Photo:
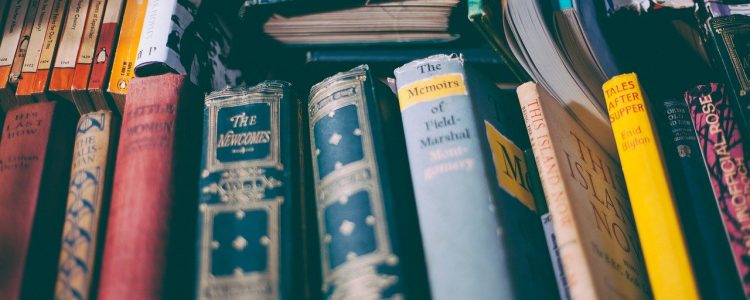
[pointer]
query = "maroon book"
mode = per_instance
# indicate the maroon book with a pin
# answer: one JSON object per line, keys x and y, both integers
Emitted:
{"x": 136, "y": 259}
{"x": 35, "y": 154}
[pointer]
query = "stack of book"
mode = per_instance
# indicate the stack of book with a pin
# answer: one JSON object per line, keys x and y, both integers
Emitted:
{"x": 412, "y": 149}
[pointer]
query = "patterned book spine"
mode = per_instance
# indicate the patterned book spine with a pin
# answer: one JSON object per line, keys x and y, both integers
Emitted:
{"x": 38, "y": 33}
{"x": 652, "y": 198}
{"x": 359, "y": 250}
{"x": 49, "y": 49}
{"x": 720, "y": 139}
{"x": 135, "y": 252}
{"x": 87, "y": 194}
{"x": 443, "y": 143}
{"x": 247, "y": 249}
{"x": 105, "y": 46}
{"x": 127, "y": 47}
{"x": 34, "y": 154}
{"x": 20, "y": 31}
{"x": 164, "y": 26}
{"x": 86, "y": 53}
{"x": 67, "y": 52}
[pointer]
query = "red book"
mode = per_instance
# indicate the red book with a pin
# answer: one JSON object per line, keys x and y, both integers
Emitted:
{"x": 35, "y": 156}
{"x": 104, "y": 53}
{"x": 135, "y": 257}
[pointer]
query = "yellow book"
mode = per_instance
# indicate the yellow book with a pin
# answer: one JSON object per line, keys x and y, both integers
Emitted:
{"x": 127, "y": 49}
{"x": 663, "y": 242}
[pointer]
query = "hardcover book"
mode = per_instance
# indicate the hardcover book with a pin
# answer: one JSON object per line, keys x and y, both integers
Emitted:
{"x": 462, "y": 144}
{"x": 34, "y": 51}
{"x": 80, "y": 79}
{"x": 105, "y": 48}
{"x": 249, "y": 230}
{"x": 67, "y": 53}
{"x": 14, "y": 44}
{"x": 127, "y": 47}
{"x": 365, "y": 231}
{"x": 588, "y": 203}
{"x": 665, "y": 249}
{"x": 149, "y": 252}
{"x": 35, "y": 154}
{"x": 88, "y": 194}
{"x": 721, "y": 143}
{"x": 49, "y": 49}
{"x": 161, "y": 44}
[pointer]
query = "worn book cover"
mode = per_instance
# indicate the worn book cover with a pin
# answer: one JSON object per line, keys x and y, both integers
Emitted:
{"x": 588, "y": 203}
{"x": 161, "y": 45}
{"x": 723, "y": 152}
{"x": 87, "y": 206}
{"x": 46, "y": 9}
{"x": 67, "y": 53}
{"x": 105, "y": 48}
{"x": 462, "y": 145}
{"x": 149, "y": 250}
{"x": 249, "y": 224}
{"x": 80, "y": 80}
{"x": 122, "y": 68}
{"x": 14, "y": 44}
{"x": 49, "y": 49}
{"x": 35, "y": 153}
{"x": 368, "y": 244}
{"x": 665, "y": 249}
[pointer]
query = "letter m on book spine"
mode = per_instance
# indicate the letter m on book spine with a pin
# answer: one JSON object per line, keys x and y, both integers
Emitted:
{"x": 245, "y": 230}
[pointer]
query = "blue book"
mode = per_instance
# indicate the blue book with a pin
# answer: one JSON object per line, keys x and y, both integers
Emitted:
{"x": 369, "y": 244}
{"x": 481, "y": 235}
{"x": 249, "y": 244}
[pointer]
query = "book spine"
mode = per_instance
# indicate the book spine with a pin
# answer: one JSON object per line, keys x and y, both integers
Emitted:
{"x": 38, "y": 33}
{"x": 34, "y": 153}
{"x": 163, "y": 29}
{"x": 105, "y": 46}
{"x": 49, "y": 48}
{"x": 663, "y": 241}
{"x": 86, "y": 54}
{"x": 9, "y": 44}
{"x": 246, "y": 233}
{"x": 360, "y": 253}
{"x": 134, "y": 260}
{"x": 87, "y": 197}
{"x": 8, "y": 83}
{"x": 720, "y": 140}
{"x": 443, "y": 145}
{"x": 67, "y": 53}
{"x": 127, "y": 48}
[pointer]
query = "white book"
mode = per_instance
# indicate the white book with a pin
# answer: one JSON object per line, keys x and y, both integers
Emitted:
{"x": 164, "y": 26}
{"x": 12, "y": 31}
{"x": 38, "y": 33}
{"x": 70, "y": 42}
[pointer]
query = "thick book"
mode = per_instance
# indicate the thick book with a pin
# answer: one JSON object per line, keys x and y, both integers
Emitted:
{"x": 123, "y": 65}
{"x": 13, "y": 48}
{"x": 35, "y": 154}
{"x": 148, "y": 251}
{"x": 249, "y": 220}
{"x": 486, "y": 16}
{"x": 161, "y": 43}
{"x": 67, "y": 53}
{"x": 86, "y": 53}
{"x": 88, "y": 194}
{"x": 656, "y": 212}
{"x": 367, "y": 238}
{"x": 36, "y": 40}
{"x": 463, "y": 144}
{"x": 105, "y": 49}
{"x": 49, "y": 49}
{"x": 723, "y": 155}
{"x": 588, "y": 203}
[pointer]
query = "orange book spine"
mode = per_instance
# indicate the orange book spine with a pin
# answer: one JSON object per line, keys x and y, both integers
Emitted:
{"x": 127, "y": 49}
{"x": 33, "y": 53}
{"x": 86, "y": 55}
{"x": 11, "y": 35}
{"x": 49, "y": 49}
{"x": 10, "y": 80}
{"x": 67, "y": 52}
{"x": 105, "y": 48}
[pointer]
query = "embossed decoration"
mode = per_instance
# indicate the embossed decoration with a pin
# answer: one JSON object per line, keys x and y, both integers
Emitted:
{"x": 92, "y": 120}
{"x": 338, "y": 149}
{"x": 247, "y": 184}
{"x": 78, "y": 235}
{"x": 347, "y": 226}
